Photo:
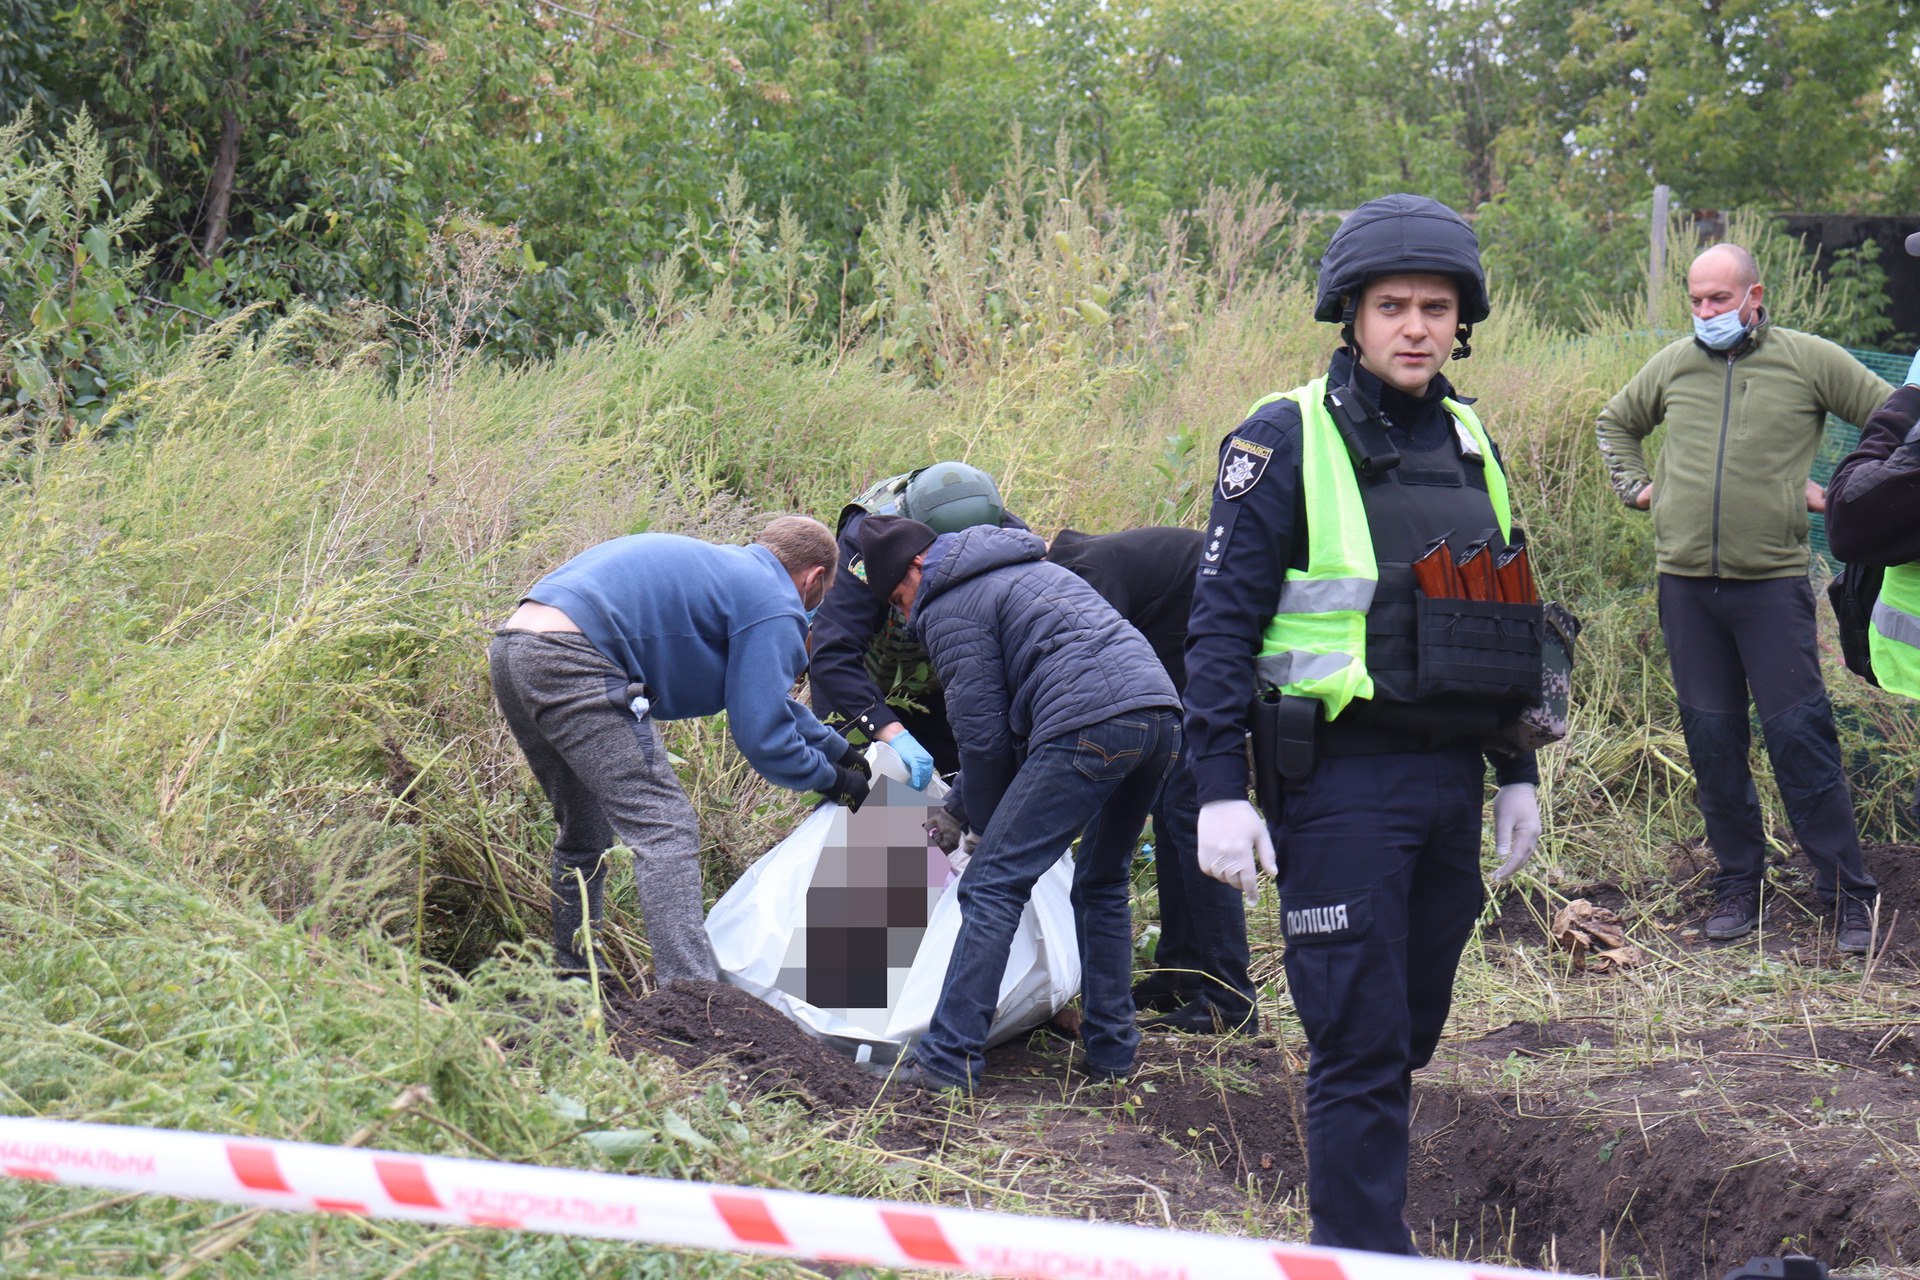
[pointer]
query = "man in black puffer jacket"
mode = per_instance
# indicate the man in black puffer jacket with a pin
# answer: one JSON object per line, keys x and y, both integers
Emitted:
{"x": 1065, "y": 721}
{"x": 1199, "y": 981}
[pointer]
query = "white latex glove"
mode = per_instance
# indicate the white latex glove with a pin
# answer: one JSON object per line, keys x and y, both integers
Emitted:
{"x": 1516, "y": 827}
{"x": 1232, "y": 834}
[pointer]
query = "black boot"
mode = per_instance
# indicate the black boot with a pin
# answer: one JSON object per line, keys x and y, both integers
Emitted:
{"x": 1205, "y": 1017}
{"x": 1853, "y": 926}
{"x": 1735, "y": 913}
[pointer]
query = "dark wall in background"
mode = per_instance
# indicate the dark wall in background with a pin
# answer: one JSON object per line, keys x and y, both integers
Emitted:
{"x": 1825, "y": 233}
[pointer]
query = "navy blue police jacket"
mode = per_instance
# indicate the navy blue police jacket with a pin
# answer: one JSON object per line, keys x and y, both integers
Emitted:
{"x": 1256, "y": 530}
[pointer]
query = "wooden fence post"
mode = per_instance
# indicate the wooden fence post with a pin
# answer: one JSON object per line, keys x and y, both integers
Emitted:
{"x": 1657, "y": 251}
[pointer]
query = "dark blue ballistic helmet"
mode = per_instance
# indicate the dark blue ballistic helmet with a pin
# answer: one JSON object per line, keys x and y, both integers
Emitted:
{"x": 1401, "y": 235}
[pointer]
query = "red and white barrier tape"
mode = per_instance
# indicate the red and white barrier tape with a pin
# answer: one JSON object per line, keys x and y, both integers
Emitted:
{"x": 306, "y": 1178}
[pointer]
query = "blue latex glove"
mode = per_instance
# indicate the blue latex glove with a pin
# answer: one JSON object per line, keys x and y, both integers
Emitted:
{"x": 919, "y": 763}
{"x": 1913, "y": 371}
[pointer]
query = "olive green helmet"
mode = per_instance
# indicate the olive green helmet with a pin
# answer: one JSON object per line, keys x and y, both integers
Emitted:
{"x": 950, "y": 496}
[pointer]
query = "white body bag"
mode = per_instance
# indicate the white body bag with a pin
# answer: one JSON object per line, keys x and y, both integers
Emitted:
{"x": 847, "y": 925}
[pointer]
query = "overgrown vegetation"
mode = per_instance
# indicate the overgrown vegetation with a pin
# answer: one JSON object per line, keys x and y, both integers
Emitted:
{"x": 489, "y": 285}
{"x": 285, "y": 151}
{"x": 267, "y": 854}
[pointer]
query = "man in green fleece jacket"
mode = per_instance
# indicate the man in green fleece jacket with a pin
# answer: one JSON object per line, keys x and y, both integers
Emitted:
{"x": 1744, "y": 402}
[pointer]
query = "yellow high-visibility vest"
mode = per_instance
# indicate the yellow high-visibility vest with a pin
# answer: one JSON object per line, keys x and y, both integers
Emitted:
{"x": 1893, "y": 635}
{"x": 1316, "y": 645}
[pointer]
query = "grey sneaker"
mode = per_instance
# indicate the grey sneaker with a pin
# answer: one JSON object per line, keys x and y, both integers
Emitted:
{"x": 1853, "y": 926}
{"x": 1734, "y": 914}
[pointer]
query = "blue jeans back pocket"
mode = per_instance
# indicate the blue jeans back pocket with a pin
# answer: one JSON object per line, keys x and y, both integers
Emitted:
{"x": 1110, "y": 750}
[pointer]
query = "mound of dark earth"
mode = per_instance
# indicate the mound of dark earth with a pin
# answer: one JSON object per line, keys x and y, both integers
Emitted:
{"x": 1749, "y": 1141}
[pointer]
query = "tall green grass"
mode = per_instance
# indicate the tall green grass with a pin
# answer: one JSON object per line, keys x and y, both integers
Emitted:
{"x": 267, "y": 854}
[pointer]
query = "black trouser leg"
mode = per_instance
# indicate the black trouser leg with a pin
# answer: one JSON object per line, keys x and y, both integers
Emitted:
{"x": 1726, "y": 636}
{"x": 1203, "y": 922}
{"x": 1805, "y": 750}
{"x": 1703, "y": 620}
{"x": 1381, "y": 890}
{"x": 1717, "y": 747}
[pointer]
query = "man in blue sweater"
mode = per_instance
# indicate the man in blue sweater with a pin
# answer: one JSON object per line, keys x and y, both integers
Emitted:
{"x": 659, "y": 627}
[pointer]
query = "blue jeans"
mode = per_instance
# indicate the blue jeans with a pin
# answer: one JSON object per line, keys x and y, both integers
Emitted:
{"x": 1102, "y": 778}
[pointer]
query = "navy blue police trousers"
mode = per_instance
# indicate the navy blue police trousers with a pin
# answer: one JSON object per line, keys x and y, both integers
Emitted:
{"x": 1379, "y": 891}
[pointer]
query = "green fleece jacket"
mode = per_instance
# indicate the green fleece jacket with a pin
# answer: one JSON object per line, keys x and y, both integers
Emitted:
{"x": 1743, "y": 426}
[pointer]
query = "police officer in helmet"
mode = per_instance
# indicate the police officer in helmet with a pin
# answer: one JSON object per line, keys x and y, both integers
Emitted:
{"x": 1349, "y": 611}
{"x": 866, "y": 672}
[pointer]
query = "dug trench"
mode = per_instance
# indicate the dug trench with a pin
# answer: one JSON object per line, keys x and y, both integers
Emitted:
{"x": 1566, "y": 1144}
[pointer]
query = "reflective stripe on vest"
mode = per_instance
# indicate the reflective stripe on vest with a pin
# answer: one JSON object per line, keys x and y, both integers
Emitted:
{"x": 1893, "y": 638}
{"x": 1316, "y": 645}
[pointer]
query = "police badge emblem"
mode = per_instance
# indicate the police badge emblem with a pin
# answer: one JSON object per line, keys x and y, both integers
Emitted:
{"x": 858, "y": 567}
{"x": 1242, "y": 466}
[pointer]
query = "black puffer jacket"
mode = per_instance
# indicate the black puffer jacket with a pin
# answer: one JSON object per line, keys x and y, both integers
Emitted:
{"x": 1873, "y": 500}
{"x": 1026, "y": 651}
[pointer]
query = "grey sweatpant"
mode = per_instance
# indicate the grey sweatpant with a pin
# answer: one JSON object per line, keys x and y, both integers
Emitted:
{"x": 607, "y": 775}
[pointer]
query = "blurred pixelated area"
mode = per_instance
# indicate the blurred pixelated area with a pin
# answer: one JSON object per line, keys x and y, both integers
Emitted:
{"x": 867, "y": 906}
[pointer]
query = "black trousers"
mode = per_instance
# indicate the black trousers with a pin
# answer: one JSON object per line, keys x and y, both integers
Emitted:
{"x": 1729, "y": 638}
{"x": 1203, "y": 952}
{"x": 1379, "y": 890}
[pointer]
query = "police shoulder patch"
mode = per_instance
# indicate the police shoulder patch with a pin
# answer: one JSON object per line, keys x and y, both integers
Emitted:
{"x": 1242, "y": 464}
{"x": 858, "y": 567}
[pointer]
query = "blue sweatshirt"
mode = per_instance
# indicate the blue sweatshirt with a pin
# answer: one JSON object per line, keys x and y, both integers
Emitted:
{"x": 706, "y": 628}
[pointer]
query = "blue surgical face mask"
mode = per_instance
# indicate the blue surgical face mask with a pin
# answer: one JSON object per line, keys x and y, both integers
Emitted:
{"x": 1724, "y": 330}
{"x": 810, "y": 614}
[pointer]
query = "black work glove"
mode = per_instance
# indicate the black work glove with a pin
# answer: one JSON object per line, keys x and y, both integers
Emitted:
{"x": 849, "y": 788}
{"x": 944, "y": 831}
{"x": 855, "y": 758}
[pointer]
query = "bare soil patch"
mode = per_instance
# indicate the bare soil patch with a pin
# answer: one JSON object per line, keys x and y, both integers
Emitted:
{"x": 1569, "y": 1143}
{"x": 701, "y": 1024}
{"x": 1750, "y": 1140}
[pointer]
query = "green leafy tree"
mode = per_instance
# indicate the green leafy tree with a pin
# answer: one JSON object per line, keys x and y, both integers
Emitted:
{"x": 197, "y": 100}
{"x": 75, "y": 329}
{"x": 1764, "y": 102}
{"x": 1233, "y": 90}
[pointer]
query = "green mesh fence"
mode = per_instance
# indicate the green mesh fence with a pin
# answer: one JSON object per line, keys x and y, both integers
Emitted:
{"x": 1841, "y": 437}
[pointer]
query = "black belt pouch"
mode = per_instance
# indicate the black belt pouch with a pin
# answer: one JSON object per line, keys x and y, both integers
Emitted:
{"x": 1480, "y": 649}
